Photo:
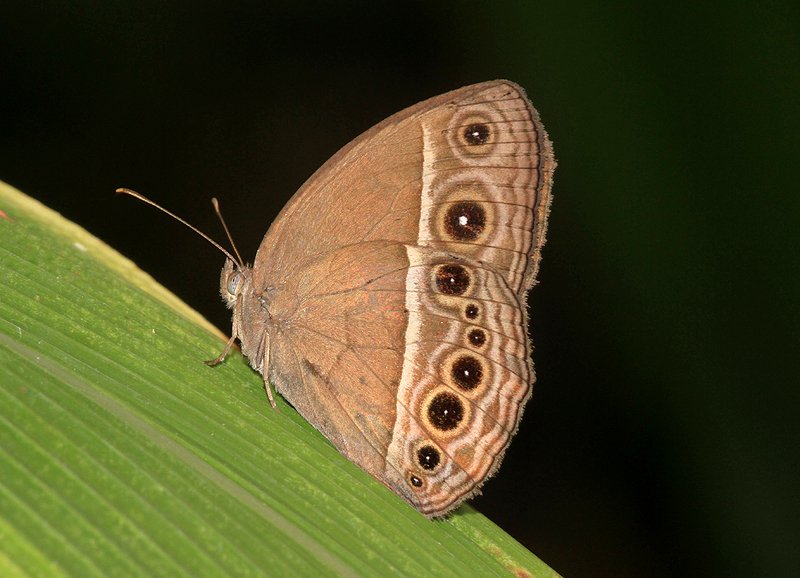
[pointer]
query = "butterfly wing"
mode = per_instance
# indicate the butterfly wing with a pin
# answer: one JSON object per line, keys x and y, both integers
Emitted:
{"x": 399, "y": 273}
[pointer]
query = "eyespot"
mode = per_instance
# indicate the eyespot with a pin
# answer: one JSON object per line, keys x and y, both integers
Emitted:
{"x": 477, "y": 337}
{"x": 475, "y": 132}
{"x": 428, "y": 457}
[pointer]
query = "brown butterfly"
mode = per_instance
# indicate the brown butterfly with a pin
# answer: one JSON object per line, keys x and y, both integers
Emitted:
{"x": 387, "y": 300}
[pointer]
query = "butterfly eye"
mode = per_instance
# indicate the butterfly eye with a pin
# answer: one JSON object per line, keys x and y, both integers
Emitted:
{"x": 233, "y": 283}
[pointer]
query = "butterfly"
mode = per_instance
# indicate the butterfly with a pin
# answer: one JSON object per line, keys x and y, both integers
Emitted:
{"x": 387, "y": 301}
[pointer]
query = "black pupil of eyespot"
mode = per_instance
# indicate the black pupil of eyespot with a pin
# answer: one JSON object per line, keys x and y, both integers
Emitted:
{"x": 467, "y": 372}
{"x": 428, "y": 457}
{"x": 476, "y": 134}
{"x": 452, "y": 279}
{"x": 465, "y": 221}
{"x": 445, "y": 411}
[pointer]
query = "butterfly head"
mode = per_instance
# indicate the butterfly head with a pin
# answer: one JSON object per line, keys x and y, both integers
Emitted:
{"x": 250, "y": 314}
{"x": 232, "y": 282}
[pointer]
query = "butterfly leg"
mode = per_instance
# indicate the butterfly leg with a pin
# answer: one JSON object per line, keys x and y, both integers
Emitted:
{"x": 265, "y": 369}
{"x": 219, "y": 359}
{"x": 234, "y": 334}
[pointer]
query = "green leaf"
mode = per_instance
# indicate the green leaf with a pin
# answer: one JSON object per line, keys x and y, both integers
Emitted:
{"x": 121, "y": 453}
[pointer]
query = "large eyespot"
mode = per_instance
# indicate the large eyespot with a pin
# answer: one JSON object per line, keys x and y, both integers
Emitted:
{"x": 443, "y": 412}
{"x": 233, "y": 282}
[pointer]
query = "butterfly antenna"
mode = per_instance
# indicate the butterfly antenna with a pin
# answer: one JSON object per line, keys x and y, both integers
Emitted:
{"x": 134, "y": 194}
{"x": 215, "y": 202}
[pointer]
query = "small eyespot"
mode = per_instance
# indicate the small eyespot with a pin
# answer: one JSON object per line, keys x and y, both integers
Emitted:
{"x": 415, "y": 481}
{"x": 471, "y": 311}
{"x": 477, "y": 337}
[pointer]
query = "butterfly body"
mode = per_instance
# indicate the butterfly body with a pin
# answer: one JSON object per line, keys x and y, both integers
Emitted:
{"x": 387, "y": 300}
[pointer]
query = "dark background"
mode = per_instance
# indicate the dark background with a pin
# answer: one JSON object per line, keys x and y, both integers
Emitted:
{"x": 663, "y": 435}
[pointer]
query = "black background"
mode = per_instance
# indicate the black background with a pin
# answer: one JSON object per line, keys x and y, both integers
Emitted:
{"x": 663, "y": 435}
